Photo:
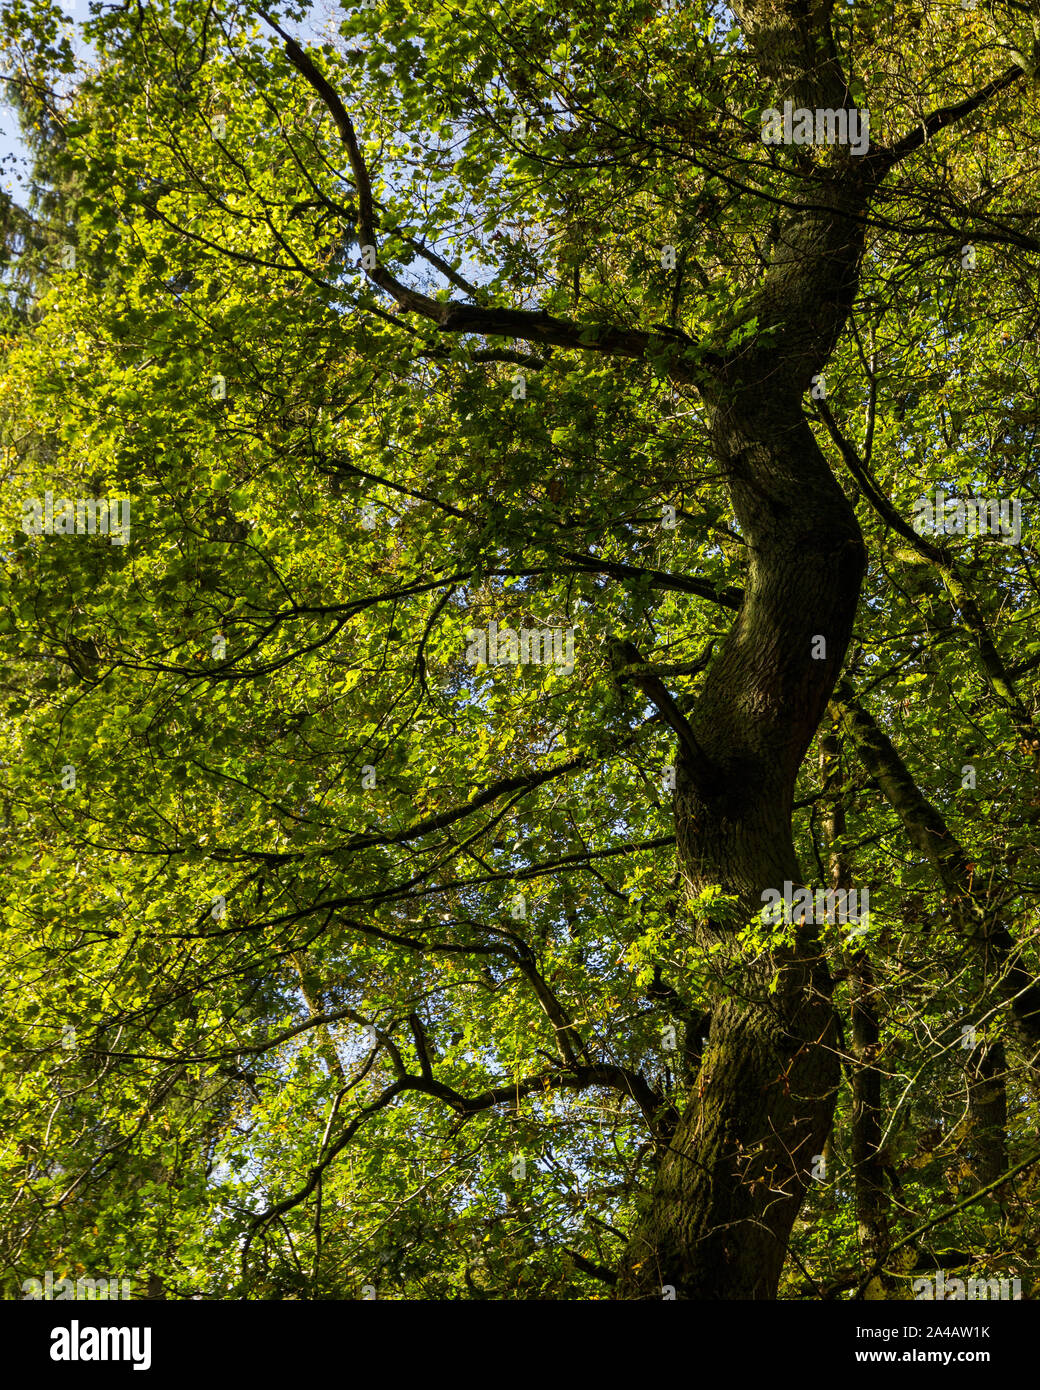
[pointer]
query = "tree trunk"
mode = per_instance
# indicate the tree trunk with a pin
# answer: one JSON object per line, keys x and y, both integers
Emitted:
{"x": 734, "y": 1176}
{"x": 868, "y": 1171}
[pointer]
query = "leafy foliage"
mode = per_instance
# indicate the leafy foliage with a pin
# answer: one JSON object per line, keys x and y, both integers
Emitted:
{"x": 346, "y": 963}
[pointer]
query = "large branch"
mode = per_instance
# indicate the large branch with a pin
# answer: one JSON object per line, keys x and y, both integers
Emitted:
{"x": 730, "y": 597}
{"x": 451, "y": 316}
{"x": 578, "y": 1078}
{"x": 629, "y": 665}
{"x": 885, "y": 158}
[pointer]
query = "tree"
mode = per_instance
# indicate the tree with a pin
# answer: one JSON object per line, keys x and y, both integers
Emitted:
{"x": 515, "y": 441}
